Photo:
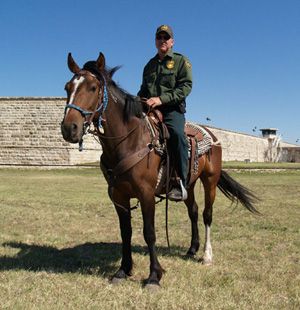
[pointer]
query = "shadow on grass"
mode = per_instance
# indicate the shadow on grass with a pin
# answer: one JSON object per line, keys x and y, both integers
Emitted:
{"x": 88, "y": 258}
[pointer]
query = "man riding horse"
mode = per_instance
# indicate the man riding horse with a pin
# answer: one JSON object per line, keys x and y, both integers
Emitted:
{"x": 167, "y": 81}
{"x": 129, "y": 161}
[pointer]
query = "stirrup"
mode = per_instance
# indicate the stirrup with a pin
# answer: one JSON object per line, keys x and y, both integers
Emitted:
{"x": 183, "y": 191}
{"x": 178, "y": 193}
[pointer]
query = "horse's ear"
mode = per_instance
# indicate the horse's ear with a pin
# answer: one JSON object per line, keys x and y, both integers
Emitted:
{"x": 112, "y": 71}
{"x": 101, "y": 62}
{"x": 72, "y": 64}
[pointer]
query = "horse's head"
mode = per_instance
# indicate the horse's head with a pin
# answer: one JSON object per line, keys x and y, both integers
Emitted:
{"x": 85, "y": 92}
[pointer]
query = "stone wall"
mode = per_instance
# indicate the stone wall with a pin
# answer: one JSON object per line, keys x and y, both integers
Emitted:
{"x": 30, "y": 135}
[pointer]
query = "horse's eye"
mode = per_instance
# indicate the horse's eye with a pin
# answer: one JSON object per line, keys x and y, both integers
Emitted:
{"x": 93, "y": 89}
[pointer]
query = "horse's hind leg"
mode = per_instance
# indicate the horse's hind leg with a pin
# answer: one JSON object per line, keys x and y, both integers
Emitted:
{"x": 126, "y": 233}
{"x": 210, "y": 194}
{"x": 192, "y": 206}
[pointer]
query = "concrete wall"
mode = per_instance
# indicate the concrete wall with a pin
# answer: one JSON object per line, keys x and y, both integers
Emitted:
{"x": 30, "y": 135}
{"x": 237, "y": 146}
{"x": 291, "y": 154}
{"x": 244, "y": 147}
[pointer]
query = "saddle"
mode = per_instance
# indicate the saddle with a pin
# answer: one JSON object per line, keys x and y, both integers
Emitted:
{"x": 199, "y": 142}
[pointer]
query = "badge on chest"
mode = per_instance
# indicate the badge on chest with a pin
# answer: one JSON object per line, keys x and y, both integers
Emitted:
{"x": 170, "y": 64}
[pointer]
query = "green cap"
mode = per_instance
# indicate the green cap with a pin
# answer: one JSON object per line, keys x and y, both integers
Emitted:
{"x": 165, "y": 28}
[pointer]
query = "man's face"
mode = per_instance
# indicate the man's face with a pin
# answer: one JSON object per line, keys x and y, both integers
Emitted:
{"x": 163, "y": 42}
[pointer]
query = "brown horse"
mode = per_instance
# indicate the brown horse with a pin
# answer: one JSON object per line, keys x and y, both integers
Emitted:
{"x": 131, "y": 165}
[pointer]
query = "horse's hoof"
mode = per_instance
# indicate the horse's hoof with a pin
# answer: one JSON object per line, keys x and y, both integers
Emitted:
{"x": 119, "y": 276}
{"x": 152, "y": 287}
{"x": 205, "y": 262}
{"x": 116, "y": 280}
{"x": 190, "y": 253}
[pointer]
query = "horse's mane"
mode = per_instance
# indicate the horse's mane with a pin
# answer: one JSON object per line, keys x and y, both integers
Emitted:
{"x": 132, "y": 105}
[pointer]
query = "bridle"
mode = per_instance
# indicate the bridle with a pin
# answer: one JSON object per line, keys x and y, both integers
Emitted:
{"x": 100, "y": 108}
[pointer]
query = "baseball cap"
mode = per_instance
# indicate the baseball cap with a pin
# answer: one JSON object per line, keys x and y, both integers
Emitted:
{"x": 164, "y": 28}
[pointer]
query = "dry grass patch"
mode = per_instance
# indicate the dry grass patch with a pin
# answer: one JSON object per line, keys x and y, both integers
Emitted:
{"x": 59, "y": 245}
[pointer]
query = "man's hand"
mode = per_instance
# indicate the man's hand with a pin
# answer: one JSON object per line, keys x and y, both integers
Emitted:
{"x": 152, "y": 102}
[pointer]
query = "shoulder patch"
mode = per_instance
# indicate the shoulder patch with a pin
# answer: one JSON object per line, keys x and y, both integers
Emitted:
{"x": 187, "y": 64}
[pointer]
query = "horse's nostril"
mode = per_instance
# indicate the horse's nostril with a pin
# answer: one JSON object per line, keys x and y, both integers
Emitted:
{"x": 74, "y": 127}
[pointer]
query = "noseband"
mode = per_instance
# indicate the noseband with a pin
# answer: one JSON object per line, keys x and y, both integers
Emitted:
{"x": 101, "y": 107}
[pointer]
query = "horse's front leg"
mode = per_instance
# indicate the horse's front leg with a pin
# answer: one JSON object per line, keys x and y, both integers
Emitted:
{"x": 124, "y": 215}
{"x": 148, "y": 210}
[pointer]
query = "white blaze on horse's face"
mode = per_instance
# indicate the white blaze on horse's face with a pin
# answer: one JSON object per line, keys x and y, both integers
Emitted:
{"x": 76, "y": 83}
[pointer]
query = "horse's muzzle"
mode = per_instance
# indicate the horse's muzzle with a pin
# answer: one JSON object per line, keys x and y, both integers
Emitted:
{"x": 71, "y": 132}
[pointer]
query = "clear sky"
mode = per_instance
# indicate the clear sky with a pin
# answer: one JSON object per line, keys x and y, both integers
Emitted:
{"x": 245, "y": 53}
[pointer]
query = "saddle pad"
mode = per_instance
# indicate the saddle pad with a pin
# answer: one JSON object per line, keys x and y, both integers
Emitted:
{"x": 203, "y": 138}
{"x": 199, "y": 143}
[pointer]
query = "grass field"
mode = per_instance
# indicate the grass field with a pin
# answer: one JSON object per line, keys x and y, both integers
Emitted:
{"x": 260, "y": 165}
{"x": 59, "y": 245}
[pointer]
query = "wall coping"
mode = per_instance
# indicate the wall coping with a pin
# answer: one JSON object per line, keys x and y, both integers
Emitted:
{"x": 31, "y": 98}
{"x": 292, "y": 145}
{"x": 239, "y": 133}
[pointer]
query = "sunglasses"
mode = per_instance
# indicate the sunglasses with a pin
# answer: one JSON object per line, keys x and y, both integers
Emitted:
{"x": 163, "y": 37}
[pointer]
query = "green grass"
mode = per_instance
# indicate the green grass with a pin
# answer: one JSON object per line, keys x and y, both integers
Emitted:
{"x": 255, "y": 165}
{"x": 240, "y": 165}
{"x": 59, "y": 245}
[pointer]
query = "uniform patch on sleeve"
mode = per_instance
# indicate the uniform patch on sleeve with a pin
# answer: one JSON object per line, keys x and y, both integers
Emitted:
{"x": 188, "y": 64}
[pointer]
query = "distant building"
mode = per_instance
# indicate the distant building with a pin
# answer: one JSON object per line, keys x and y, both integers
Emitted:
{"x": 278, "y": 150}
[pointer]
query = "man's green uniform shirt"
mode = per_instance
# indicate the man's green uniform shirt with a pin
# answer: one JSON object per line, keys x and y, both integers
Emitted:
{"x": 170, "y": 79}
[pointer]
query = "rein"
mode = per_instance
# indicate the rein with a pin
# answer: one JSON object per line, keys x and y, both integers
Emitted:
{"x": 103, "y": 136}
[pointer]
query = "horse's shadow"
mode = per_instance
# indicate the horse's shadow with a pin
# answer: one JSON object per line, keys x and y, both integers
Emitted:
{"x": 87, "y": 258}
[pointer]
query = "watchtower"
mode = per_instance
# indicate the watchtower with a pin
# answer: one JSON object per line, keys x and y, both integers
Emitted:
{"x": 273, "y": 152}
{"x": 270, "y": 133}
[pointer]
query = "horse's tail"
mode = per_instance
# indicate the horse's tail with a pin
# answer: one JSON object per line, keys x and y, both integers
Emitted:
{"x": 237, "y": 192}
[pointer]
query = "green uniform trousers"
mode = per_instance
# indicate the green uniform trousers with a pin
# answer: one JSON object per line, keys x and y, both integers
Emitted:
{"x": 177, "y": 144}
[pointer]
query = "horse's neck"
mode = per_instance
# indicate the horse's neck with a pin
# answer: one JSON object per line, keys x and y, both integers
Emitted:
{"x": 121, "y": 138}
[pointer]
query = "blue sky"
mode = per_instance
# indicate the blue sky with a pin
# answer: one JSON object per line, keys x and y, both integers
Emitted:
{"x": 245, "y": 53}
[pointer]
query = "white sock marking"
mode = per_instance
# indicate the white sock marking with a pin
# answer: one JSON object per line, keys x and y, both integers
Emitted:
{"x": 207, "y": 246}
